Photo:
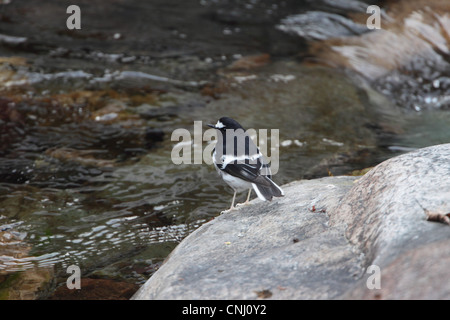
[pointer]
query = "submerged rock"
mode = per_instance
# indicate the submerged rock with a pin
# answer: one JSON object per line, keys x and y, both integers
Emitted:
{"x": 96, "y": 289}
{"x": 331, "y": 25}
{"x": 318, "y": 241}
{"x": 20, "y": 277}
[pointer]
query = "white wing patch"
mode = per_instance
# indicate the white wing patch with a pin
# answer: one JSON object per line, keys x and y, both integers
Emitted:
{"x": 228, "y": 159}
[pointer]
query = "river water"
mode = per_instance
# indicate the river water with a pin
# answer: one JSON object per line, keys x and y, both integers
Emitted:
{"x": 86, "y": 117}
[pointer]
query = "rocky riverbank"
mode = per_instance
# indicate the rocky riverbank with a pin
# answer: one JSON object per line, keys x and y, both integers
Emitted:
{"x": 319, "y": 241}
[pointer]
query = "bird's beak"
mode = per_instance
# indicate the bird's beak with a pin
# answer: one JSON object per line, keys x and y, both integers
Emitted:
{"x": 211, "y": 126}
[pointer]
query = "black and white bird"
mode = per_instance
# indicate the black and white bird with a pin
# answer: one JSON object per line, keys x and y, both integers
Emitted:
{"x": 240, "y": 163}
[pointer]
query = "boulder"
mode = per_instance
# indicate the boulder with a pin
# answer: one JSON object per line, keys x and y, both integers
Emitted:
{"x": 321, "y": 240}
{"x": 392, "y": 216}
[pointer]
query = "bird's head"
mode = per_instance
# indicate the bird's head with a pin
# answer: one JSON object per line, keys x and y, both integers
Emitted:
{"x": 225, "y": 123}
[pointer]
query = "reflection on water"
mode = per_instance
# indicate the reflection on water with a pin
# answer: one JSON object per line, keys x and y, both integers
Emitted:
{"x": 11, "y": 264}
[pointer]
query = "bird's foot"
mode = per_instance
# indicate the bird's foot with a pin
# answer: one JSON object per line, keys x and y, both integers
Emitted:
{"x": 242, "y": 204}
{"x": 226, "y": 211}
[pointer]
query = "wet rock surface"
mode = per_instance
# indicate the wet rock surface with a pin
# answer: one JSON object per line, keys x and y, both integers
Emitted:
{"x": 318, "y": 241}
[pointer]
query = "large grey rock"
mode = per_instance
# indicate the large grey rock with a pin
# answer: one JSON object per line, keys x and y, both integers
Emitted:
{"x": 385, "y": 215}
{"x": 283, "y": 246}
{"x": 317, "y": 241}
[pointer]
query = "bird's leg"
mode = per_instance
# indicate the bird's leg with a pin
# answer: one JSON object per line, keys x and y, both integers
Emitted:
{"x": 232, "y": 204}
{"x": 246, "y": 201}
{"x": 248, "y": 197}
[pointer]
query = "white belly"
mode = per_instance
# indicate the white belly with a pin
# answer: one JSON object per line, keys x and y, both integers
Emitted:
{"x": 236, "y": 183}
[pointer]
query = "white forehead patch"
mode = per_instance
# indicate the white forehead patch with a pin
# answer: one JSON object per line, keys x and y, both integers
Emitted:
{"x": 220, "y": 125}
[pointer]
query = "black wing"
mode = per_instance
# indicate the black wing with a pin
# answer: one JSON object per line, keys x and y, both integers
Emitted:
{"x": 247, "y": 170}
